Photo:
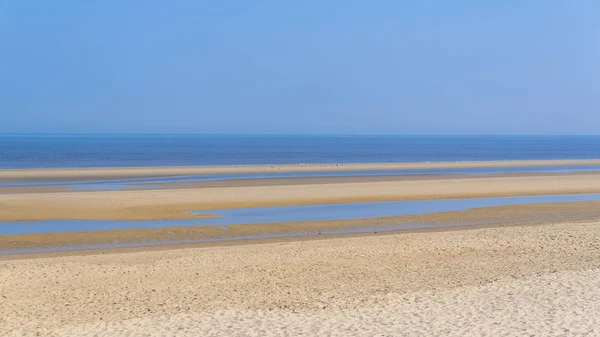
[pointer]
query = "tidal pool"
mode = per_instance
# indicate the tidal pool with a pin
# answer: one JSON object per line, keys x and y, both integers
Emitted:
{"x": 242, "y": 216}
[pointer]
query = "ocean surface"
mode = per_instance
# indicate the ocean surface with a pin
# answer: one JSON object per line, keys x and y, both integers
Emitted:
{"x": 40, "y": 151}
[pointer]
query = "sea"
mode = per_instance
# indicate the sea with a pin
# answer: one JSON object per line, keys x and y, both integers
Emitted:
{"x": 95, "y": 150}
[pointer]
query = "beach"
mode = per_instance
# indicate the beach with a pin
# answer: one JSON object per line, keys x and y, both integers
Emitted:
{"x": 299, "y": 168}
{"x": 530, "y": 268}
{"x": 535, "y": 280}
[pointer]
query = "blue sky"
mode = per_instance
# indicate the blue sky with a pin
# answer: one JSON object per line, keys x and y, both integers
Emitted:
{"x": 349, "y": 67}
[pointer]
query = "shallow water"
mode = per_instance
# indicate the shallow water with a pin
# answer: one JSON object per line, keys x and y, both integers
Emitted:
{"x": 374, "y": 209}
{"x": 118, "y": 244}
{"x": 289, "y": 214}
{"x": 118, "y": 184}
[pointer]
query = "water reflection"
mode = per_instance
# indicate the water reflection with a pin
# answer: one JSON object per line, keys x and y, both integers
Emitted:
{"x": 289, "y": 214}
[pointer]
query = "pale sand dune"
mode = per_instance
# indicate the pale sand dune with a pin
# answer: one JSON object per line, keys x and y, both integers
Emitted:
{"x": 531, "y": 280}
{"x": 175, "y": 203}
{"x": 130, "y": 172}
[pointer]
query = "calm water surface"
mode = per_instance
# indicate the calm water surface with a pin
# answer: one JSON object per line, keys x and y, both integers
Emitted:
{"x": 30, "y": 151}
{"x": 290, "y": 214}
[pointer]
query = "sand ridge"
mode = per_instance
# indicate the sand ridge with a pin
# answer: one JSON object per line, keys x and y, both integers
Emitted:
{"x": 177, "y": 203}
{"x": 137, "y": 172}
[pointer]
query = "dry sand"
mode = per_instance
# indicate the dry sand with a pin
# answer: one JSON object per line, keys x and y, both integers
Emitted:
{"x": 529, "y": 280}
{"x": 138, "y": 172}
{"x": 561, "y": 304}
{"x": 176, "y": 203}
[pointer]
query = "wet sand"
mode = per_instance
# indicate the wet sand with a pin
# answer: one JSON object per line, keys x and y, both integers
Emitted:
{"x": 274, "y": 181}
{"x": 348, "y": 179}
{"x": 532, "y": 280}
{"x": 150, "y": 238}
{"x": 78, "y": 174}
{"x": 32, "y": 189}
{"x": 177, "y": 203}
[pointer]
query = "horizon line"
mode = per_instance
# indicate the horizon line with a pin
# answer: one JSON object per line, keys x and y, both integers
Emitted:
{"x": 295, "y": 134}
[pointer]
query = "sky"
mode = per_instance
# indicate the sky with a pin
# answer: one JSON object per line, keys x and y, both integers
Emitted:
{"x": 309, "y": 67}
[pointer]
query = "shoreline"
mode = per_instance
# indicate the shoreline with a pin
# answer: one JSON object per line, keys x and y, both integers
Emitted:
{"x": 178, "y": 237}
{"x": 159, "y": 171}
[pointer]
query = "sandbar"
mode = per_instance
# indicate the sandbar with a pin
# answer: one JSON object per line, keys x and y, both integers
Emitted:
{"x": 177, "y": 203}
{"x": 73, "y": 174}
{"x": 343, "y": 179}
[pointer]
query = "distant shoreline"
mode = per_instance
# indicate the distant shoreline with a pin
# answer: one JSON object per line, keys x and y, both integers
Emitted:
{"x": 157, "y": 171}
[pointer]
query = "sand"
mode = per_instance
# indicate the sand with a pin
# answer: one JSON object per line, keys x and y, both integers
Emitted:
{"x": 194, "y": 236}
{"x": 176, "y": 203}
{"x": 499, "y": 277}
{"x": 345, "y": 179}
{"x": 561, "y": 304}
{"x": 32, "y": 189}
{"x": 527, "y": 280}
{"x": 139, "y": 172}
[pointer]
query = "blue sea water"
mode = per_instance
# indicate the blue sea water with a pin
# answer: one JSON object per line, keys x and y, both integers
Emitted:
{"x": 31, "y": 151}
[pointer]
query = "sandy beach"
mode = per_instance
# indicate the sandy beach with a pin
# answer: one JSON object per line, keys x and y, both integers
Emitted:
{"x": 534, "y": 280}
{"x": 530, "y": 269}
